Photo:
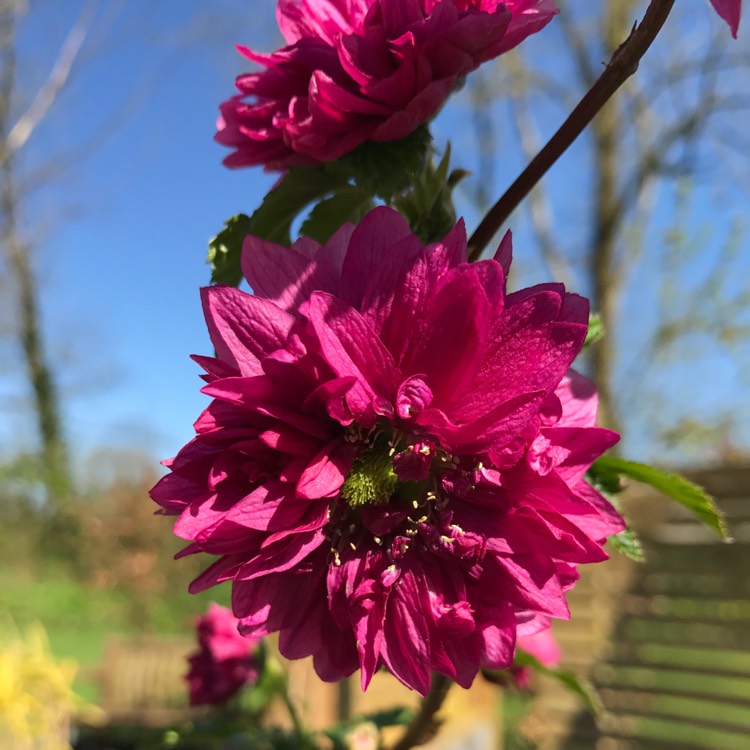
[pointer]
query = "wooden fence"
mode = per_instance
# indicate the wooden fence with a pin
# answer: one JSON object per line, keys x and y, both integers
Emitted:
{"x": 142, "y": 682}
{"x": 666, "y": 643}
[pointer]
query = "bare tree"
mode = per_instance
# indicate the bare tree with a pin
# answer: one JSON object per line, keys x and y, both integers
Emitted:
{"x": 654, "y": 130}
{"x": 13, "y": 136}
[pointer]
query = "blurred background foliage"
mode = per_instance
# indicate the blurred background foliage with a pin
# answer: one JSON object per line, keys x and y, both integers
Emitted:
{"x": 99, "y": 566}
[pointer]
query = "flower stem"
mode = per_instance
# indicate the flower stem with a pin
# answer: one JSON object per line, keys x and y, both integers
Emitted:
{"x": 299, "y": 728}
{"x": 622, "y": 65}
{"x": 424, "y": 721}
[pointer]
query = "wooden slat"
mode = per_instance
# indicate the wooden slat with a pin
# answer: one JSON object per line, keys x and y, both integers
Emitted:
{"x": 721, "y": 714}
{"x": 672, "y": 636}
{"x": 653, "y": 630}
{"x": 708, "y": 659}
{"x": 653, "y": 729}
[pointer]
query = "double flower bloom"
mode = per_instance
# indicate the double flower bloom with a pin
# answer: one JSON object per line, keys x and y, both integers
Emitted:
{"x": 391, "y": 470}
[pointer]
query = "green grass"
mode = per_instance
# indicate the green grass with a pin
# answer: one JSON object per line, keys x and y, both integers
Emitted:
{"x": 79, "y": 619}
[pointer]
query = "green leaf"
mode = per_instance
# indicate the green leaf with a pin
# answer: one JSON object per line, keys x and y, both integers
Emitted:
{"x": 299, "y": 187}
{"x": 225, "y": 249}
{"x": 385, "y": 169}
{"x": 596, "y": 330}
{"x": 428, "y": 204}
{"x": 349, "y": 203}
{"x": 441, "y": 173}
{"x": 628, "y": 544}
{"x": 337, "y": 735}
{"x": 271, "y": 221}
{"x": 392, "y": 717}
{"x": 607, "y": 483}
{"x": 581, "y": 687}
{"x": 688, "y": 494}
{"x": 457, "y": 176}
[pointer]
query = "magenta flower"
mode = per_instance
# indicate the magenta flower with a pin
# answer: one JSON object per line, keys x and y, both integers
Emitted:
{"x": 223, "y": 662}
{"x": 392, "y": 469}
{"x": 362, "y": 70}
{"x": 730, "y": 11}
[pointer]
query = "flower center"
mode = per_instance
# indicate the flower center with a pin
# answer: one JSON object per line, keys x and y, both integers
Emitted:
{"x": 372, "y": 479}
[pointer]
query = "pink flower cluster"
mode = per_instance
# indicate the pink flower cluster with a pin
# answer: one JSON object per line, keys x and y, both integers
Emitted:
{"x": 223, "y": 662}
{"x": 362, "y": 70}
{"x": 391, "y": 470}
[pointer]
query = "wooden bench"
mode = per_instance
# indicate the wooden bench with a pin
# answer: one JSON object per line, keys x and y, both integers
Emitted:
{"x": 142, "y": 680}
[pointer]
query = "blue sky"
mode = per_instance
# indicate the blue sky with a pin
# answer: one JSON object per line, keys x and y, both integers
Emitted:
{"x": 120, "y": 279}
{"x": 120, "y": 228}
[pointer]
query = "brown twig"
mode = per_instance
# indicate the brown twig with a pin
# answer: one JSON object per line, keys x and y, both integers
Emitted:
{"x": 418, "y": 731}
{"x": 55, "y": 83}
{"x": 622, "y": 65}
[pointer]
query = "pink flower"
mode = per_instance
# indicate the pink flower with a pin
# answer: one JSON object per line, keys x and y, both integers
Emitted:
{"x": 544, "y": 648}
{"x": 730, "y": 11}
{"x": 392, "y": 469}
{"x": 359, "y": 70}
{"x": 223, "y": 662}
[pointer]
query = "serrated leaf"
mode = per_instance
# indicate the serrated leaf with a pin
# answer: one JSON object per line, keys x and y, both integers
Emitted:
{"x": 298, "y": 188}
{"x": 349, "y": 203}
{"x": 627, "y": 543}
{"x": 385, "y": 169}
{"x": 581, "y": 687}
{"x": 271, "y": 221}
{"x": 225, "y": 249}
{"x": 688, "y": 494}
{"x": 596, "y": 330}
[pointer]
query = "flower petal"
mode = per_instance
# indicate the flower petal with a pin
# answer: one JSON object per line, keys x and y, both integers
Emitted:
{"x": 243, "y": 328}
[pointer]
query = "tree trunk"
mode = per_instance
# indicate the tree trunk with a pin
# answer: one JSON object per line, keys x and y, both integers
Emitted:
{"x": 606, "y": 135}
{"x": 53, "y": 448}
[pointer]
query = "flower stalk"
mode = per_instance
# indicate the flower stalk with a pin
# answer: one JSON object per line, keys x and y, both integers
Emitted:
{"x": 302, "y": 734}
{"x": 622, "y": 65}
{"x": 423, "y": 723}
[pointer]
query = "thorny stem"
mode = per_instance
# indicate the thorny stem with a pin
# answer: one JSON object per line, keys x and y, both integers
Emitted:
{"x": 622, "y": 65}
{"x": 424, "y": 720}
